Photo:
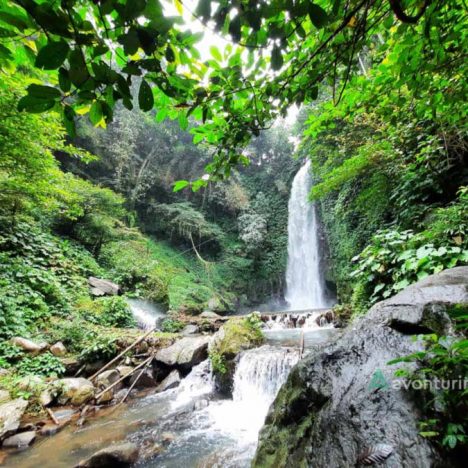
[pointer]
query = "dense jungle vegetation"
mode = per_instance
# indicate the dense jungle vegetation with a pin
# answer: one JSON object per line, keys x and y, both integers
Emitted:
{"x": 129, "y": 152}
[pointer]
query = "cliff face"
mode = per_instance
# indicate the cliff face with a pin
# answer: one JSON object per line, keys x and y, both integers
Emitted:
{"x": 345, "y": 398}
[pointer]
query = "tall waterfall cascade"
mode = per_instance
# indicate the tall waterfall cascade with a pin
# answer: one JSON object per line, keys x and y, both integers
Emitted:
{"x": 305, "y": 287}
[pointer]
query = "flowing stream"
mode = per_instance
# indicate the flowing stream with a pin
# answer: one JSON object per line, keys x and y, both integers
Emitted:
{"x": 207, "y": 430}
{"x": 305, "y": 287}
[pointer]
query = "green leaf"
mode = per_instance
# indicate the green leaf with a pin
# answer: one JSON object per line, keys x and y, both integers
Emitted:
{"x": 276, "y": 58}
{"x": 203, "y": 9}
{"x": 216, "y": 53}
{"x": 95, "y": 113}
{"x": 318, "y": 15}
{"x": 145, "y": 96}
{"x": 235, "y": 28}
{"x": 52, "y": 55}
{"x": 43, "y": 92}
{"x": 179, "y": 185}
{"x": 64, "y": 80}
{"x": 35, "y": 105}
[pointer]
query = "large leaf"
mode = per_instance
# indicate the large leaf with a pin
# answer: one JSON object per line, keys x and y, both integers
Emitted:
{"x": 52, "y": 55}
{"x": 145, "y": 97}
{"x": 318, "y": 15}
{"x": 276, "y": 58}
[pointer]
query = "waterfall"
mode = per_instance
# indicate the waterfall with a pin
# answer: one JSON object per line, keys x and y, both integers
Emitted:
{"x": 146, "y": 313}
{"x": 304, "y": 283}
{"x": 259, "y": 375}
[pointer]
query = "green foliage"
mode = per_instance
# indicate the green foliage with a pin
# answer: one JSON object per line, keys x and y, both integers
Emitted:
{"x": 102, "y": 348}
{"x": 184, "y": 222}
{"x": 95, "y": 55}
{"x": 42, "y": 275}
{"x": 9, "y": 354}
{"x": 444, "y": 359}
{"x": 107, "y": 311}
{"x": 45, "y": 364}
{"x": 239, "y": 334}
{"x": 396, "y": 259}
{"x": 172, "y": 325}
{"x": 218, "y": 362}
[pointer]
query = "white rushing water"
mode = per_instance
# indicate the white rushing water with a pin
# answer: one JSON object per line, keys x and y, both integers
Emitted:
{"x": 146, "y": 313}
{"x": 304, "y": 283}
{"x": 259, "y": 375}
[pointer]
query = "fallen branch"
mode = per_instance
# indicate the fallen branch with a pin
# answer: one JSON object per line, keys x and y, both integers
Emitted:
{"x": 133, "y": 385}
{"x": 128, "y": 374}
{"x": 139, "y": 340}
{"x": 52, "y": 416}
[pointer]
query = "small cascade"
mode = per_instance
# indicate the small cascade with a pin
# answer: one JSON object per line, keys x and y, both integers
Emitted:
{"x": 260, "y": 374}
{"x": 146, "y": 313}
{"x": 305, "y": 286}
{"x": 199, "y": 382}
{"x": 306, "y": 321}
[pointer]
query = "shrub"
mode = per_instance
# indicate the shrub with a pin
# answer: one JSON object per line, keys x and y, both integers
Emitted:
{"x": 45, "y": 364}
{"x": 107, "y": 311}
{"x": 396, "y": 259}
{"x": 102, "y": 348}
{"x": 172, "y": 325}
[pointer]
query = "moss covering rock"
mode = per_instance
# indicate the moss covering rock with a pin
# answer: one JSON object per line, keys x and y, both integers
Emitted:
{"x": 236, "y": 335}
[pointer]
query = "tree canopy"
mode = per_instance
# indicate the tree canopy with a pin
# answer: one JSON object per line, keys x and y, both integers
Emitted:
{"x": 93, "y": 54}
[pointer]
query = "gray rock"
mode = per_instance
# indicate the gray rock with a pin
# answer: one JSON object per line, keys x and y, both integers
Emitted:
{"x": 102, "y": 287}
{"x": 107, "y": 378}
{"x": 49, "y": 430}
{"x": 74, "y": 390}
{"x": 58, "y": 349}
{"x": 186, "y": 352}
{"x": 23, "y": 439}
{"x": 46, "y": 397}
{"x": 124, "y": 370}
{"x": 72, "y": 365}
{"x": 145, "y": 380}
{"x": 208, "y": 314}
{"x": 30, "y": 382}
{"x": 27, "y": 345}
{"x": 190, "y": 330}
{"x": 119, "y": 455}
{"x": 345, "y": 397}
{"x": 171, "y": 381}
{"x": 10, "y": 416}
{"x": 4, "y": 396}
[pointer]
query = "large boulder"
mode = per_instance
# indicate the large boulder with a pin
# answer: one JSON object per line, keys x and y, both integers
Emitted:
{"x": 102, "y": 287}
{"x": 76, "y": 391}
{"x": 186, "y": 352}
{"x": 119, "y": 455}
{"x": 10, "y": 416}
{"x": 58, "y": 349}
{"x": 21, "y": 440}
{"x": 171, "y": 381}
{"x": 4, "y": 396}
{"x": 28, "y": 345}
{"x": 345, "y": 399}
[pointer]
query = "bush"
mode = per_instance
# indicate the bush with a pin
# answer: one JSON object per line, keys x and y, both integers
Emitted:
{"x": 45, "y": 364}
{"x": 107, "y": 311}
{"x": 396, "y": 259}
{"x": 103, "y": 348}
{"x": 9, "y": 354}
{"x": 172, "y": 325}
